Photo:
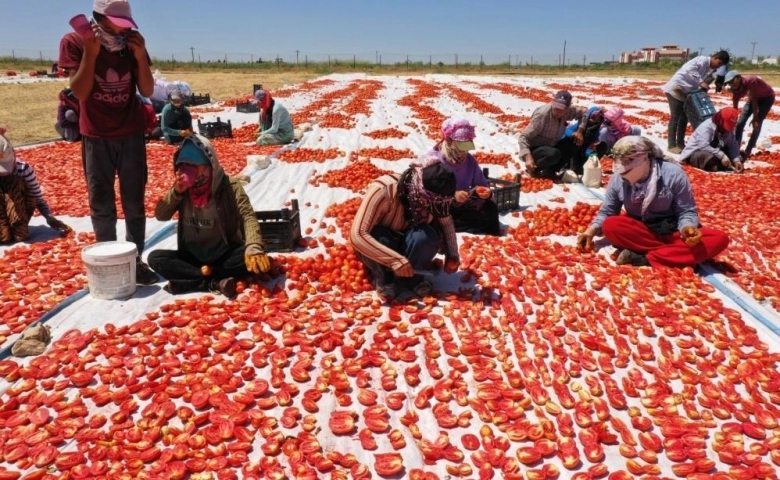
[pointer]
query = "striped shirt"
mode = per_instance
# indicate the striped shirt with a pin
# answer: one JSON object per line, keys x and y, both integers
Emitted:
{"x": 545, "y": 130}
{"x": 382, "y": 207}
{"x": 25, "y": 170}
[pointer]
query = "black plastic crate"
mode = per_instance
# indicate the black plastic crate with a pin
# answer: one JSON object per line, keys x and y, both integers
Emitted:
{"x": 281, "y": 229}
{"x": 256, "y": 87}
{"x": 247, "y": 107}
{"x": 698, "y": 107}
{"x": 195, "y": 99}
{"x": 216, "y": 129}
{"x": 506, "y": 194}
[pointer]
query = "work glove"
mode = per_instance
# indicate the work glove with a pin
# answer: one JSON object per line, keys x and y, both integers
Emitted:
{"x": 691, "y": 235}
{"x": 256, "y": 259}
{"x": 585, "y": 239}
{"x": 59, "y": 226}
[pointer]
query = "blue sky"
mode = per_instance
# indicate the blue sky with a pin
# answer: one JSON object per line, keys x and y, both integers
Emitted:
{"x": 245, "y": 29}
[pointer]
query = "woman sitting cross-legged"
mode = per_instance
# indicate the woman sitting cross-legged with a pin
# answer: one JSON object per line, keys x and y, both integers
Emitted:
{"x": 661, "y": 227}
{"x": 218, "y": 234}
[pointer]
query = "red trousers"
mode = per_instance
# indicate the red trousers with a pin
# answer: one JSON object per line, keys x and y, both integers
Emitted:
{"x": 666, "y": 250}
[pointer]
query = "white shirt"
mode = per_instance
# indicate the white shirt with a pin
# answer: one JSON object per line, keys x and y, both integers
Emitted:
{"x": 688, "y": 77}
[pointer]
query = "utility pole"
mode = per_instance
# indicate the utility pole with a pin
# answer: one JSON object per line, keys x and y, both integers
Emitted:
{"x": 192, "y": 50}
{"x": 564, "y": 53}
{"x": 701, "y": 50}
{"x": 752, "y": 51}
{"x": 583, "y": 60}
{"x": 296, "y": 57}
{"x": 376, "y": 57}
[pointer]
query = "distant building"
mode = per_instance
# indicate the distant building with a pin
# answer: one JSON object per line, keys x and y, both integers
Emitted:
{"x": 654, "y": 55}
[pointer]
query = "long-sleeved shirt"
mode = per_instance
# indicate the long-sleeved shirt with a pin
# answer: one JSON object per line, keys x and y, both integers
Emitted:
{"x": 381, "y": 206}
{"x": 467, "y": 173}
{"x": 174, "y": 119}
{"x": 27, "y": 173}
{"x": 545, "y": 129}
{"x": 280, "y": 120}
{"x": 707, "y": 138}
{"x": 754, "y": 87}
{"x": 689, "y": 77}
{"x": 674, "y": 197}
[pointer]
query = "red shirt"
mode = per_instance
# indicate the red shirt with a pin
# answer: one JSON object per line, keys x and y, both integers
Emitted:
{"x": 112, "y": 109}
{"x": 755, "y": 86}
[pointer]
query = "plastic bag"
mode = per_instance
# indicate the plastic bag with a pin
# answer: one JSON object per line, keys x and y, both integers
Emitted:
{"x": 569, "y": 176}
{"x": 591, "y": 172}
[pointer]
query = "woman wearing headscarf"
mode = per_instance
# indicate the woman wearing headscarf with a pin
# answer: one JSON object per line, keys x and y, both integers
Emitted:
{"x": 175, "y": 119}
{"x": 591, "y": 125}
{"x": 276, "y": 126}
{"x": 473, "y": 210}
{"x": 400, "y": 225}
{"x": 614, "y": 128}
{"x": 661, "y": 227}
{"x": 20, "y": 196}
{"x": 218, "y": 234}
{"x": 713, "y": 146}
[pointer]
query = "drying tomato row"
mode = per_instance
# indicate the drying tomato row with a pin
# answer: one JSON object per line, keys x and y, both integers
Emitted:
{"x": 302, "y": 155}
{"x": 356, "y": 176}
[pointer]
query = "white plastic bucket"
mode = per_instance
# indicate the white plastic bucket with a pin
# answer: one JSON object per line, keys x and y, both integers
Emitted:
{"x": 110, "y": 269}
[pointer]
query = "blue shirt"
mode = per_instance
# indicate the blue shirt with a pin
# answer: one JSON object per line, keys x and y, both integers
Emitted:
{"x": 674, "y": 198}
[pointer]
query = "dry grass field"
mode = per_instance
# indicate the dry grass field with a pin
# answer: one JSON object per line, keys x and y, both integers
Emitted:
{"x": 29, "y": 109}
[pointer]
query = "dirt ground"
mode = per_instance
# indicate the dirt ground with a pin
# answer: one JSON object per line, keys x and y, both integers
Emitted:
{"x": 29, "y": 110}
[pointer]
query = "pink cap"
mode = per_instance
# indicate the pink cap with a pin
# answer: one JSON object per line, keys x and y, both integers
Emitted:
{"x": 118, "y": 11}
{"x": 458, "y": 129}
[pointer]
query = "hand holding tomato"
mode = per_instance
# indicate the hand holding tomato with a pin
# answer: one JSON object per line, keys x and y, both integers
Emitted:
{"x": 691, "y": 235}
{"x": 585, "y": 239}
{"x": 451, "y": 265}
{"x": 483, "y": 192}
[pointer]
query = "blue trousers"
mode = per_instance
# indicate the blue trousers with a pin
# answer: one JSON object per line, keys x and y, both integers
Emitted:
{"x": 419, "y": 246}
{"x": 764, "y": 106}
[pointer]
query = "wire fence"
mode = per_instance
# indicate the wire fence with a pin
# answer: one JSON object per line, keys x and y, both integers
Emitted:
{"x": 374, "y": 59}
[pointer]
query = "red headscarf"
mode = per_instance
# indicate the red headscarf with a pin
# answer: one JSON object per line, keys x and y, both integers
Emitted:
{"x": 726, "y": 119}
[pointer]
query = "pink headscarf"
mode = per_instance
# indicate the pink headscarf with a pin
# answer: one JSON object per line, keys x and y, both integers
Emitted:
{"x": 615, "y": 117}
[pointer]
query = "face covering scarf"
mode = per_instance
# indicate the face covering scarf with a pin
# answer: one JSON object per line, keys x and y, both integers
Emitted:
{"x": 112, "y": 43}
{"x": 452, "y": 153}
{"x": 200, "y": 188}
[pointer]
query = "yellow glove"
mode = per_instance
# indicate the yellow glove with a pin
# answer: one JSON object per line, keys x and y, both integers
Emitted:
{"x": 691, "y": 235}
{"x": 256, "y": 259}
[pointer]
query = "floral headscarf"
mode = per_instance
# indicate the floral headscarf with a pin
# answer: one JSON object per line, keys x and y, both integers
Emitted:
{"x": 426, "y": 188}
